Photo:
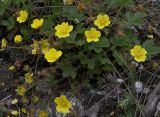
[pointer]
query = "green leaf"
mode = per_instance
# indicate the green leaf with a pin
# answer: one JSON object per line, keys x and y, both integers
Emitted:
{"x": 95, "y": 48}
{"x": 68, "y": 71}
{"x": 17, "y": 2}
{"x": 126, "y": 40}
{"x": 134, "y": 19}
{"x": 26, "y": 32}
{"x": 120, "y": 59}
{"x": 103, "y": 60}
{"x": 4, "y": 5}
{"x": 82, "y": 58}
{"x": 103, "y": 43}
{"x": 98, "y": 46}
{"x": 91, "y": 64}
{"x": 80, "y": 42}
{"x": 119, "y": 41}
{"x": 73, "y": 14}
{"x": 151, "y": 48}
{"x": 9, "y": 23}
{"x": 47, "y": 26}
{"x": 48, "y": 23}
{"x": 71, "y": 38}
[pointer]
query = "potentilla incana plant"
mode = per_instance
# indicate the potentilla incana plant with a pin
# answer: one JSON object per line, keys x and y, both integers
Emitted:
{"x": 73, "y": 43}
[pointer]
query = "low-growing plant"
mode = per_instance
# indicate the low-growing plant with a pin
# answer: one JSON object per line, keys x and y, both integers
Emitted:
{"x": 81, "y": 39}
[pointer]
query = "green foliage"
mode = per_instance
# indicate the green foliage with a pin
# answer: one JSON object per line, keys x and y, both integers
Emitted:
{"x": 98, "y": 47}
{"x": 126, "y": 40}
{"x": 120, "y": 59}
{"x": 123, "y": 3}
{"x": 73, "y": 14}
{"x": 4, "y": 5}
{"x": 68, "y": 70}
{"x": 9, "y": 23}
{"x": 25, "y": 32}
{"x": 127, "y": 105}
{"x": 151, "y": 48}
{"x": 134, "y": 19}
{"x": 126, "y": 102}
{"x": 82, "y": 64}
{"x": 79, "y": 55}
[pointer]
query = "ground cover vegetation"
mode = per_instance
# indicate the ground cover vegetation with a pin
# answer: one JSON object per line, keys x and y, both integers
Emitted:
{"x": 79, "y": 58}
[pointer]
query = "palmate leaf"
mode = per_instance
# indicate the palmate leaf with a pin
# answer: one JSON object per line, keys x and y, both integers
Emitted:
{"x": 68, "y": 71}
{"x": 103, "y": 43}
{"x": 73, "y": 14}
{"x": 98, "y": 46}
{"x": 4, "y": 5}
{"x": 25, "y": 32}
{"x": 151, "y": 48}
{"x": 9, "y": 23}
{"x": 71, "y": 39}
{"x": 134, "y": 19}
{"x": 91, "y": 64}
{"x": 126, "y": 40}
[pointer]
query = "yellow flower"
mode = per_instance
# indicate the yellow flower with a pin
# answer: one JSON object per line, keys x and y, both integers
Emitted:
{"x": 12, "y": 68}
{"x": 138, "y": 53}
{"x": 29, "y": 78}
{"x": 52, "y": 55}
{"x": 4, "y": 43}
{"x": 92, "y": 35}
{"x": 14, "y": 101}
{"x": 63, "y": 104}
{"x": 24, "y": 110}
{"x": 44, "y": 44}
{"x": 14, "y": 112}
{"x": 35, "y": 47}
{"x": 22, "y": 16}
{"x": 150, "y": 36}
{"x": 42, "y": 113}
{"x": 37, "y": 23}
{"x": 102, "y": 21}
{"x": 24, "y": 100}
{"x": 68, "y": 2}
{"x": 26, "y": 67}
{"x": 18, "y": 39}
{"x": 63, "y": 30}
{"x": 21, "y": 90}
{"x": 35, "y": 99}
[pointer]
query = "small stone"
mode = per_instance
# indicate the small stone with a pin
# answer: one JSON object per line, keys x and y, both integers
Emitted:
{"x": 138, "y": 87}
{"x": 119, "y": 80}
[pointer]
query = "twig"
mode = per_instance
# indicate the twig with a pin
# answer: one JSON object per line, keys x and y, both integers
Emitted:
{"x": 153, "y": 99}
{"x": 5, "y": 98}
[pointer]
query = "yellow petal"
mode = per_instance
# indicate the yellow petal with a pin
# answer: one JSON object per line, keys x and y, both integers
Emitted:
{"x": 12, "y": 68}
{"x": 4, "y": 43}
{"x": 14, "y": 112}
{"x": 14, "y": 101}
{"x": 61, "y": 109}
{"x": 57, "y": 100}
{"x": 24, "y": 110}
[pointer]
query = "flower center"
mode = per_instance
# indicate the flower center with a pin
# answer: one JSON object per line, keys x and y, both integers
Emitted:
{"x": 102, "y": 21}
{"x": 63, "y": 104}
{"x": 64, "y": 30}
{"x": 91, "y": 35}
{"x": 139, "y": 54}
